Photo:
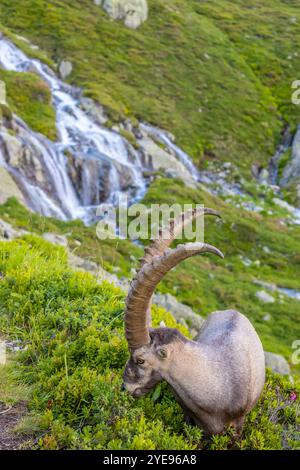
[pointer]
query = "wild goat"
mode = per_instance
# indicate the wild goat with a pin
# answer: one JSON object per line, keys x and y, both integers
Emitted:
{"x": 218, "y": 377}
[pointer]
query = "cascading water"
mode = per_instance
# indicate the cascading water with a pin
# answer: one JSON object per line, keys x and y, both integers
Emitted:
{"x": 87, "y": 166}
{"x": 79, "y": 137}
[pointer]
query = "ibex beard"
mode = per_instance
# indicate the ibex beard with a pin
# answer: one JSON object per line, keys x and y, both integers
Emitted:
{"x": 219, "y": 376}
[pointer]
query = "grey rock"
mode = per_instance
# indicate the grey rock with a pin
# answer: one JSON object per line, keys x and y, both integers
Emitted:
{"x": 292, "y": 169}
{"x": 267, "y": 317}
{"x": 182, "y": 313}
{"x": 8, "y": 232}
{"x": 157, "y": 158}
{"x": 65, "y": 68}
{"x": 277, "y": 363}
{"x": 264, "y": 297}
{"x": 94, "y": 110}
{"x": 56, "y": 239}
{"x": 133, "y": 12}
{"x": 8, "y": 187}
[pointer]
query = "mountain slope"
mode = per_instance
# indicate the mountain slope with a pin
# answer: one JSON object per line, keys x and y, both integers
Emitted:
{"x": 186, "y": 69}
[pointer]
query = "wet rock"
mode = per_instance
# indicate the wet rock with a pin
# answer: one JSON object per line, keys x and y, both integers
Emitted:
{"x": 292, "y": 169}
{"x": 266, "y": 285}
{"x": 277, "y": 363}
{"x": 8, "y": 187}
{"x": 21, "y": 154}
{"x": 157, "y": 158}
{"x": 94, "y": 110}
{"x": 263, "y": 176}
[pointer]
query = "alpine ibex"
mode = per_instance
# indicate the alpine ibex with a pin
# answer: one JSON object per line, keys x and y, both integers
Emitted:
{"x": 218, "y": 377}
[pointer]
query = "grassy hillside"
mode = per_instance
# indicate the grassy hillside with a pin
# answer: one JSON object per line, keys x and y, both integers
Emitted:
{"x": 216, "y": 74}
{"x": 30, "y": 98}
{"x": 70, "y": 367}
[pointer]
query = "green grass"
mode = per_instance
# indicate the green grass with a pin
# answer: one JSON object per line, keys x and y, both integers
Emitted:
{"x": 182, "y": 70}
{"x": 75, "y": 352}
{"x": 30, "y": 98}
{"x": 110, "y": 254}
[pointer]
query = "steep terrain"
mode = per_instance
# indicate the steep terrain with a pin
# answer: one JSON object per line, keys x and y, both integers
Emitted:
{"x": 216, "y": 77}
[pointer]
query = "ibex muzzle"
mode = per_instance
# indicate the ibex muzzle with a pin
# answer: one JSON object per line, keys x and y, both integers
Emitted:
{"x": 218, "y": 377}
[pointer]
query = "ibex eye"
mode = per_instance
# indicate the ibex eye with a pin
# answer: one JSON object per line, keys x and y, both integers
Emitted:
{"x": 140, "y": 360}
{"x": 162, "y": 353}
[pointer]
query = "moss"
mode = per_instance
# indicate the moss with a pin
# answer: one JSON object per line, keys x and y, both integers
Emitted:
{"x": 129, "y": 136}
{"x": 74, "y": 357}
{"x": 30, "y": 98}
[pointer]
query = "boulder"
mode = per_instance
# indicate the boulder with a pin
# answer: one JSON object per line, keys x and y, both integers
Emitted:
{"x": 94, "y": 110}
{"x": 65, "y": 68}
{"x": 133, "y": 12}
{"x": 8, "y": 187}
{"x": 182, "y": 313}
{"x": 277, "y": 363}
{"x": 8, "y": 232}
{"x": 56, "y": 239}
{"x": 157, "y": 158}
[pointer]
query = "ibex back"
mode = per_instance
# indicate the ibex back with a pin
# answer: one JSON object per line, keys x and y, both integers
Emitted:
{"x": 218, "y": 377}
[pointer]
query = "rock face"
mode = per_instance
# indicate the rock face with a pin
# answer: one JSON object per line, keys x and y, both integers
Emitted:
{"x": 134, "y": 12}
{"x": 182, "y": 313}
{"x": 158, "y": 158}
{"x": 292, "y": 169}
{"x": 277, "y": 363}
{"x": 8, "y": 187}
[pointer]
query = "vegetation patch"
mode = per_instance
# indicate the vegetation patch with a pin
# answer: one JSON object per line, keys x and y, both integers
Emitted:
{"x": 74, "y": 351}
{"x": 30, "y": 98}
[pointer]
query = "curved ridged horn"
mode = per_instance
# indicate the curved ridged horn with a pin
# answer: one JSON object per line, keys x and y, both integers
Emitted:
{"x": 142, "y": 288}
{"x": 168, "y": 234}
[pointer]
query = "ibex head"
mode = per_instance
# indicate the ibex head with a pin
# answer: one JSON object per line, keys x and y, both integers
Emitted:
{"x": 148, "y": 364}
{"x": 152, "y": 350}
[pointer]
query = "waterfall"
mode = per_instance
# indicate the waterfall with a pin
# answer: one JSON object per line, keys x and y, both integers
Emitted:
{"x": 88, "y": 164}
{"x": 79, "y": 137}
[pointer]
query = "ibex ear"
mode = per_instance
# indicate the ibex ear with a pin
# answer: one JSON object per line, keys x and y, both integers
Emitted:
{"x": 162, "y": 324}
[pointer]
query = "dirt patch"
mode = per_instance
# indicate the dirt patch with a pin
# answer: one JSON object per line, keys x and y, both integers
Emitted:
{"x": 9, "y": 418}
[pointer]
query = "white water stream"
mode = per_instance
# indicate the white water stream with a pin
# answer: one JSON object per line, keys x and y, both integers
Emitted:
{"x": 103, "y": 154}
